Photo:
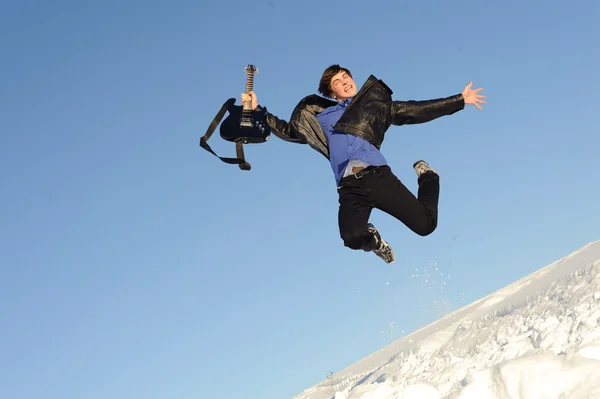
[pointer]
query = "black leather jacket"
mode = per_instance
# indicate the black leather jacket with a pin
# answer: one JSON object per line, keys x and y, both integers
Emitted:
{"x": 369, "y": 115}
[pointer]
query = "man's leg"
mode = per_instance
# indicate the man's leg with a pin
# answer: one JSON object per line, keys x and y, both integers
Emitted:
{"x": 356, "y": 232}
{"x": 420, "y": 214}
{"x": 353, "y": 216}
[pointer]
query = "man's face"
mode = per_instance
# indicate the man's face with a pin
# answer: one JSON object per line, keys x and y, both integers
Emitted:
{"x": 342, "y": 86}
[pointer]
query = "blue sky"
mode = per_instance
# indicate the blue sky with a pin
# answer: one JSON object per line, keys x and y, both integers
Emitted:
{"x": 135, "y": 264}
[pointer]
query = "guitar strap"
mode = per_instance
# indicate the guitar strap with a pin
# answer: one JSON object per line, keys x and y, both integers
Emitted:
{"x": 240, "y": 160}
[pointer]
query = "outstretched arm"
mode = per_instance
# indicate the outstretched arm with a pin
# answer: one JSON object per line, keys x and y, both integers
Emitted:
{"x": 279, "y": 127}
{"x": 413, "y": 112}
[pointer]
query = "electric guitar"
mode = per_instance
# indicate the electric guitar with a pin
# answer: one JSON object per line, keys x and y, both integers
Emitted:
{"x": 243, "y": 124}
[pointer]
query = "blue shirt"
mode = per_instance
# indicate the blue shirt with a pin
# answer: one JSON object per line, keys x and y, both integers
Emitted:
{"x": 345, "y": 147}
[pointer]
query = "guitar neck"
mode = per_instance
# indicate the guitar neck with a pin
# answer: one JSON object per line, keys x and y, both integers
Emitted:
{"x": 246, "y": 120}
{"x": 249, "y": 88}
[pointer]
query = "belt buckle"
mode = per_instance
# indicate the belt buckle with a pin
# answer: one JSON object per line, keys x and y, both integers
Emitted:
{"x": 359, "y": 174}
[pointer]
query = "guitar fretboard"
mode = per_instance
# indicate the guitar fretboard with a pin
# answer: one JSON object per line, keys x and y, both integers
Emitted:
{"x": 250, "y": 82}
{"x": 247, "y": 108}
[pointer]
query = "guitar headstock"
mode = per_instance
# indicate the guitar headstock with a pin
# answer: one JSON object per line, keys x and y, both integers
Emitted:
{"x": 250, "y": 69}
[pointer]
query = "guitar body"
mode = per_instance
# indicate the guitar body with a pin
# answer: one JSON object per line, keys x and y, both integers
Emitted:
{"x": 243, "y": 125}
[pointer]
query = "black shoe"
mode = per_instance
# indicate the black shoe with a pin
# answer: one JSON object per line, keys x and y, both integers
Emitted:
{"x": 383, "y": 250}
{"x": 421, "y": 167}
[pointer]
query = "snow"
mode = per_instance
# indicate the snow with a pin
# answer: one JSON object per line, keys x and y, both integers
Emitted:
{"x": 538, "y": 338}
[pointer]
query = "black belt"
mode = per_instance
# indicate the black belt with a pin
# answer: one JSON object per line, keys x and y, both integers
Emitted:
{"x": 360, "y": 173}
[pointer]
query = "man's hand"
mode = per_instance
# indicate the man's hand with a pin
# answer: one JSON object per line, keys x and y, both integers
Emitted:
{"x": 471, "y": 96}
{"x": 251, "y": 96}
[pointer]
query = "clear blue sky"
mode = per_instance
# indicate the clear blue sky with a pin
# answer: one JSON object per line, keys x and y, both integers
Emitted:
{"x": 133, "y": 264}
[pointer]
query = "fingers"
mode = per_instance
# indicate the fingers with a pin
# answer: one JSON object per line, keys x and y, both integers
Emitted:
{"x": 246, "y": 98}
{"x": 479, "y": 101}
{"x": 479, "y": 97}
{"x": 251, "y": 98}
{"x": 468, "y": 88}
{"x": 472, "y": 96}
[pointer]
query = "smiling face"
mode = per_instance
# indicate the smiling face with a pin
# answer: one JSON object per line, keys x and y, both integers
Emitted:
{"x": 342, "y": 86}
{"x": 337, "y": 83}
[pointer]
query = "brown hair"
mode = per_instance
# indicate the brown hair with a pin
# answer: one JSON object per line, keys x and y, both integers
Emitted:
{"x": 330, "y": 72}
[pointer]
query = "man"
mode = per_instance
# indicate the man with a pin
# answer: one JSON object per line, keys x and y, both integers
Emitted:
{"x": 348, "y": 130}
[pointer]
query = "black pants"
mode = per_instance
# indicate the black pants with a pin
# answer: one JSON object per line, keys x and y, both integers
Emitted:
{"x": 382, "y": 190}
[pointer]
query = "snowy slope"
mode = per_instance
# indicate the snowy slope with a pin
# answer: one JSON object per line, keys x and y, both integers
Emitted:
{"x": 537, "y": 338}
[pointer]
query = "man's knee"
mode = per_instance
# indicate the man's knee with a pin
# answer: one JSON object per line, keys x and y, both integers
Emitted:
{"x": 425, "y": 229}
{"x": 356, "y": 238}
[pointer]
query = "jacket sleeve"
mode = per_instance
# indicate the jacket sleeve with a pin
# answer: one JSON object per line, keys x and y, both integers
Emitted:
{"x": 279, "y": 127}
{"x": 413, "y": 112}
